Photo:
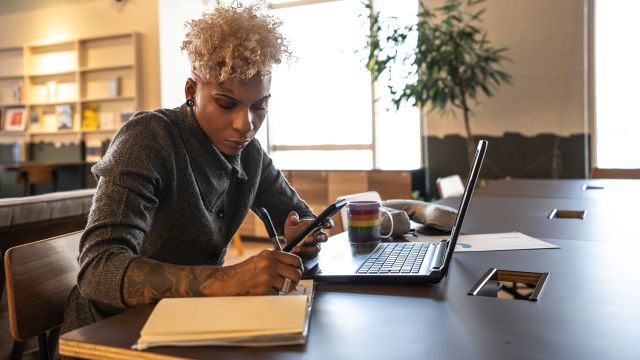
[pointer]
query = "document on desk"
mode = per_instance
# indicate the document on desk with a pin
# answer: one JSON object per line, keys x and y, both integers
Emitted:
{"x": 248, "y": 321}
{"x": 496, "y": 242}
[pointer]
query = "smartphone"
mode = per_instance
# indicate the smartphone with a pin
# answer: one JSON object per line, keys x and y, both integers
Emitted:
{"x": 317, "y": 223}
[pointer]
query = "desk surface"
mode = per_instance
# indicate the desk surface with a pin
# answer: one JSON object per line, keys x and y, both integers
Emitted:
{"x": 570, "y": 189}
{"x": 588, "y": 308}
{"x": 610, "y": 220}
{"x": 37, "y": 164}
{"x": 586, "y": 311}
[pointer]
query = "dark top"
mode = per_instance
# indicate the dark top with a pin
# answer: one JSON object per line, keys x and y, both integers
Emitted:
{"x": 166, "y": 193}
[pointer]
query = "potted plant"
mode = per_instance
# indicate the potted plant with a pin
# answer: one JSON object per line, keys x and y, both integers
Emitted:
{"x": 453, "y": 59}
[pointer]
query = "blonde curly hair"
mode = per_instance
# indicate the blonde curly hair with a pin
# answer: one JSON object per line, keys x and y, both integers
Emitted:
{"x": 234, "y": 41}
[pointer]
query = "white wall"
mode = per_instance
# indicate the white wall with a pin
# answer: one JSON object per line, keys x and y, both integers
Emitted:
{"x": 545, "y": 40}
{"x": 174, "y": 64}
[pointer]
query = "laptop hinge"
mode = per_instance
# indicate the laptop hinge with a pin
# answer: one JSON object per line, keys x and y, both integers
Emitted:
{"x": 441, "y": 252}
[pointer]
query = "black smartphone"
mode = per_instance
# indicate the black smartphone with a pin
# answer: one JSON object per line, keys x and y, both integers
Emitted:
{"x": 317, "y": 223}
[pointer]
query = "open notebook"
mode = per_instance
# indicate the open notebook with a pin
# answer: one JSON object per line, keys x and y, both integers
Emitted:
{"x": 230, "y": 321}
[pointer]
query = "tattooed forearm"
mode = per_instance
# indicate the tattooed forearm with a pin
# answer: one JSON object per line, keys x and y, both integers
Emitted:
{"x": 147, "y": 281}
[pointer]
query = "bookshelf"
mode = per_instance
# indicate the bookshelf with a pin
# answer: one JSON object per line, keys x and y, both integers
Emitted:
{"x": 57, "y": 82}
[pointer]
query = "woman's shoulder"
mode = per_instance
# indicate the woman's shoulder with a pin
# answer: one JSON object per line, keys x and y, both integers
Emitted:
{"x": 156, "y": 124}
{"x": 147, "y": 139}
{"x": 150, "y": 119}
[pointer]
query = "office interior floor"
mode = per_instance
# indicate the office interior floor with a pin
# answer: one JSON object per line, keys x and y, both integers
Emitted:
{"x": 251, "y": 247}
{"x": 6, "y": 342}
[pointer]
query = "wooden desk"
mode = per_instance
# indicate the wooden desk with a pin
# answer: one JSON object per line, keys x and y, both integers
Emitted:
{"x": 588, "y": 308}
{"x": 586, "y": 311}
{"x": 569, "y": 189}
{"x": 32, "y": 173}
{"x": 609, "y": 220}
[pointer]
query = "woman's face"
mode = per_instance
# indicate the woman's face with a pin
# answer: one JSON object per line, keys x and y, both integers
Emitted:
{"x": 230, "y": 113}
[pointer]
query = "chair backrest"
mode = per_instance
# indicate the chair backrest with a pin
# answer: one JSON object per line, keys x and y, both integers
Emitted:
{"x": 365, "y": 196}
{"x": 450, "y": 186}
{"x": 32, "y": 218}
{"x": 597, "y": 173}
{"x": 40, "y": 276}
{"x": 36, "y": 175}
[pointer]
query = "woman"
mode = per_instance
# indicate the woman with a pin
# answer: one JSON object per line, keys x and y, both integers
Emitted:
{"x": 176, "y": 184}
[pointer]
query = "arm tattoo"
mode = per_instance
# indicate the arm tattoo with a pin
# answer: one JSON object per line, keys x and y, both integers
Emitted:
{"x": 147, "y": 281}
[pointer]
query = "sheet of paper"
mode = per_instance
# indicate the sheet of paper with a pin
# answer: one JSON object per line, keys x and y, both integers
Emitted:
{"x": 305, "y": 287}
{"x": 494, "y": 242}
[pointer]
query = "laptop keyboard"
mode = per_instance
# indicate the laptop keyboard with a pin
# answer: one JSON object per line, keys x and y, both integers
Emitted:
{"x": 400, "y": 258}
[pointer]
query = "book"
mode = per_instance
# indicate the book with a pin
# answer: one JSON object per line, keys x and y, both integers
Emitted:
{"x": 93, "y": 150}
{"x": 107, "y": 120}
{"x": 114, "y": 86}
{"x": 52, "y": 90}
{"x": 90, "y": 117}
{"x": 248, "y": 321}
{"x": 64, "y": 114}
{"x": 34, "y": 119}
{"x": 124, "y": 117}
{"x": 49, "y": 121}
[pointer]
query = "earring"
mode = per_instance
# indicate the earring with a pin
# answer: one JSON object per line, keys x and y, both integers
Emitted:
{"x": 190, "y": 103}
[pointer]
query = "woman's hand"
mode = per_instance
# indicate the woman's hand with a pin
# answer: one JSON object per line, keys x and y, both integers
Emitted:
{"x": 147, "y": 281}
{"x": 309, "y": 247}
{"x": 266, "y": 273}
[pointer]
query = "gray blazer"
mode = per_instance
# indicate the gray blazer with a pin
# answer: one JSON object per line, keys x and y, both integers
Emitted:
{"x": 166, "y": 193}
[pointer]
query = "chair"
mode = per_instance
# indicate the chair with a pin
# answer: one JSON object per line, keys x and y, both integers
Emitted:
{"x": 365, "y": 196}
{"x": 30, "y": 176}
{"x": 450, "y": 186}
{"x": 27, "y": 219}
{"x": 597, "y": 173}
{"x": 236, "y": 242}
{"x": 40, "y": 276}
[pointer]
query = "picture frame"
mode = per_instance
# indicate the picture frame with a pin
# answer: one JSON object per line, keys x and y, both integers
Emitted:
{"x": 15, "y": 119}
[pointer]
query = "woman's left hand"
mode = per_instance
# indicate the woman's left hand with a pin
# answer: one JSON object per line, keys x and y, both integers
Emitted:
{"x": 309, "y": 247}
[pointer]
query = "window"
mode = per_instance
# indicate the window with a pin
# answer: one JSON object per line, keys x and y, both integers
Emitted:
{"x": 616, "y": 78}
{"x": 321, "y": 115}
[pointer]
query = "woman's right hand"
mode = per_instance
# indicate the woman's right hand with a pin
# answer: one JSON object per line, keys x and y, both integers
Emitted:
{"x": 148, "y": 281}
{"x": 265, "y": 273}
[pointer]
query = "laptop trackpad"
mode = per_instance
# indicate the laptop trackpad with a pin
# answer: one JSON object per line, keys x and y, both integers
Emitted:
{"x": 343, "y": 259}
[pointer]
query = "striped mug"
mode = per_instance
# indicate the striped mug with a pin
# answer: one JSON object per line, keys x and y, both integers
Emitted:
{"x": 364, "y": 221}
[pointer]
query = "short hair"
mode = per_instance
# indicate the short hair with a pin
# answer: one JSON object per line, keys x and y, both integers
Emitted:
{"x": 234, "y": 41}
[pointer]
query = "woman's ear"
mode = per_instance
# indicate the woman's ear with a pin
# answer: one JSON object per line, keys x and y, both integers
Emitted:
{"x": 190, "y": 89}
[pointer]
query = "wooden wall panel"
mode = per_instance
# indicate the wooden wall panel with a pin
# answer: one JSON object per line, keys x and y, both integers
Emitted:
{"x": 391, "y": 184}
{"x": 342, "y": 183}
{"x": 320, "y": 188}
{"x": 310, "y": 185}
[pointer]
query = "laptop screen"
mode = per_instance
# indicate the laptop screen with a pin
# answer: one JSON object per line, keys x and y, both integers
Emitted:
{"x": 466, "y": 198}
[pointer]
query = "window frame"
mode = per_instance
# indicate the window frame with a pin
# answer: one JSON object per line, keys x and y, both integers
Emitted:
{"x": 271, "y": 147}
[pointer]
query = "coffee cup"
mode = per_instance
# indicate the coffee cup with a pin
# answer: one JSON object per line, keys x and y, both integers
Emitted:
{"x": 364, "y": 218}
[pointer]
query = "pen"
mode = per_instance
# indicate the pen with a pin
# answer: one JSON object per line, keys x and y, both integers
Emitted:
{"x": 271, "y": 230}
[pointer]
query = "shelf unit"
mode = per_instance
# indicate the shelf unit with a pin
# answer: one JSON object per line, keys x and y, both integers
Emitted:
{"x": 102, "y": 72}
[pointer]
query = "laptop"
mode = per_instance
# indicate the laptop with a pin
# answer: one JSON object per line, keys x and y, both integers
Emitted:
{"x": 397, "y": 262}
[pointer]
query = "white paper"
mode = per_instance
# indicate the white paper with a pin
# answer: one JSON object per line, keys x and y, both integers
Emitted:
{"x": 494, "y": 242}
